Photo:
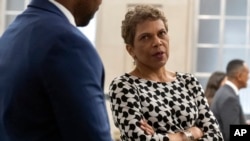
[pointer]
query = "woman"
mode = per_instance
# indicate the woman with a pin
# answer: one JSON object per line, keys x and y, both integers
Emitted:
{"x": 215, "y": 81}
{"x": 170, "y": 102}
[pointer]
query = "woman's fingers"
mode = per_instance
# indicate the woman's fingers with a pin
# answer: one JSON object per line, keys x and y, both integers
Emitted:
{"x": 146, "y": 127}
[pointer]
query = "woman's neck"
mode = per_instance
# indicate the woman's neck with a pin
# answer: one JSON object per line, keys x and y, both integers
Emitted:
{"x": 160, "y": 75}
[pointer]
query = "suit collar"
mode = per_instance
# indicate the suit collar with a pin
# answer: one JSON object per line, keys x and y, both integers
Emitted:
{"x": 235, "y": 89}
{"x": 65, "y": 11}
{"x": 46, "y": 5}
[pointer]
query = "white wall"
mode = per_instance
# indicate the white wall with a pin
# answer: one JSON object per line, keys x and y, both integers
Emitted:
{"x": 1, "y": 16}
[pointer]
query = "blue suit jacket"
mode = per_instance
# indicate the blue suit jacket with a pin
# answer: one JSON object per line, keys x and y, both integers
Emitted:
{"x": 51, "y": 80}
{"x": 227, "y": 110}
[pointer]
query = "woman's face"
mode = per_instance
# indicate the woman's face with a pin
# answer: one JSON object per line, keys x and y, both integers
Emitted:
{"x": 151, "y": 44}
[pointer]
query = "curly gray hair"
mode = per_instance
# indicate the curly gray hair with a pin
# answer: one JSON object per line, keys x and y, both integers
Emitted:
{"x": 137, "y": 15}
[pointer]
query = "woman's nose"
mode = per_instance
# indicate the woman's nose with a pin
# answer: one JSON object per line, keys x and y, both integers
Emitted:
{"x": 157, "y": 42}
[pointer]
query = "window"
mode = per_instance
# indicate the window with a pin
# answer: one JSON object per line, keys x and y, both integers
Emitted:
{"x": 15, "y": 7}
{"x": 222, "y": 34}
{"x": 12, "y": 9}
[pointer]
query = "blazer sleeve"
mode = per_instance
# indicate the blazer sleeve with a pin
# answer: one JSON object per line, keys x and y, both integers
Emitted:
{"x": 73, "y": 75}
{"x": 232, "y": 110}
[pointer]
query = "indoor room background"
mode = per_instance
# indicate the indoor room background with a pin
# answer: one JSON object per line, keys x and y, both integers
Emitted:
{"x": 204, "y": 36}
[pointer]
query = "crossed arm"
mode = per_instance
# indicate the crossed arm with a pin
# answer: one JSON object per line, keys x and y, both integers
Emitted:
{"x": 179, "y": 136}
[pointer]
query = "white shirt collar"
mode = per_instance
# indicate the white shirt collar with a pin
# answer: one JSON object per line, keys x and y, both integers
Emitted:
{"x": 65, "y": 11}
{"x": 236, "y": 90}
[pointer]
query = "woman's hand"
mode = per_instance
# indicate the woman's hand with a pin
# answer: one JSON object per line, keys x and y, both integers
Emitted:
{"x": 179, "y": 136}
{"x": 176, "y": 137}
{"x": 196, "y": 132}
{"x": 146, "y": 127}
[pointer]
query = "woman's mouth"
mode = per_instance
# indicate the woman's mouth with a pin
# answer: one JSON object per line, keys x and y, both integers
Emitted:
{"x": 159, "y": 55}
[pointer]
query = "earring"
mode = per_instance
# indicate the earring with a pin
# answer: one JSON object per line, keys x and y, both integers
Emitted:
{"x": 134, "y": 60}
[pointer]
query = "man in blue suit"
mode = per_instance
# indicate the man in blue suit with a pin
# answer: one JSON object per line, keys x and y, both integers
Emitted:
{"x": 51, "y": 77}
{"x": 226, "y": 105}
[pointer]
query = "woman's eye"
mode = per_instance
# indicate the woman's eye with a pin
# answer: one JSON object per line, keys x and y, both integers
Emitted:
{"x": 145, "y": 37}
{"x": 163, "y": 33}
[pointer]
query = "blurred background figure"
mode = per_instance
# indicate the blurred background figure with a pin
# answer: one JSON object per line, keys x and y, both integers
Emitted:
{"x": 226, "y": 104}
{"x": 215, "y": 81}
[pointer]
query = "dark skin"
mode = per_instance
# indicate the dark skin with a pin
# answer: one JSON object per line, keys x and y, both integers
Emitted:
{"x": 82, "y": 10}
{"x": 241, "y": 77}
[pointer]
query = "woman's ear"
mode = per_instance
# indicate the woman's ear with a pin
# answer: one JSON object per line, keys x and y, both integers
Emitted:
{"x": 130, "y": 50}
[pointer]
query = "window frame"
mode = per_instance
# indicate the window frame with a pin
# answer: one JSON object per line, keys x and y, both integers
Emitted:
{"x": 222, "y": 17}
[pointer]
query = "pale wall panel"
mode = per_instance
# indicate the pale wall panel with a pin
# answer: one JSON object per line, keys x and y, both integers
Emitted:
{"x": 2, "y": 3}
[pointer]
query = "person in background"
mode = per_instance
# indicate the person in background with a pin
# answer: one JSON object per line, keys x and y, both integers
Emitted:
{"x": 51, "y": 77}
{"x": 226, "y": 104}
{"x": 171, "y": 103}
{"x": 215, "y": 81}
